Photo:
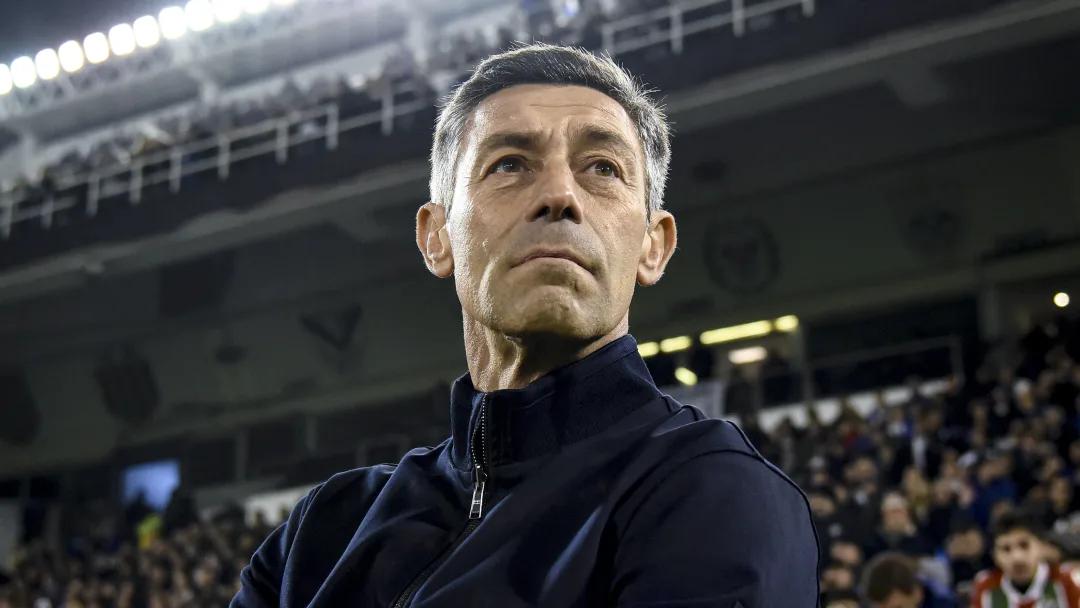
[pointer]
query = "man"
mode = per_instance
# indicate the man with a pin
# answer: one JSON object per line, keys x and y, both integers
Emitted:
{"x": 898, "y": 531}
{"x": 569, "y": 479}
{"x": 1023, "y": 577}
{"x": 891, "y": 580}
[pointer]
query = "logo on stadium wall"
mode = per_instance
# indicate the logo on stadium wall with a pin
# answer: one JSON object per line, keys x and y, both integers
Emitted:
{"x": 929, "y": 215}
{"x": 741, "y": 256}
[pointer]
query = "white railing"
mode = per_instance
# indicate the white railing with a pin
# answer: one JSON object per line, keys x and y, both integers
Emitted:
{"x": 215, "y": 153}
{"x": 672, "y": 24}
{"x": 709, "y": 396}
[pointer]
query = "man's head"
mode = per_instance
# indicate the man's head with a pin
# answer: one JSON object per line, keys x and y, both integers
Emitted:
{"x": 548, "y": 172}
{"x": 896, "y": 515}
{"x": 891, "y": 581}
{"x": 1017, "y": 546}
{"x": 965, "y": 542}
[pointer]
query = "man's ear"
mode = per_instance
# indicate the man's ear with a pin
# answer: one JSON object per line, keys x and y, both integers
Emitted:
{"x": 433, "y": 240}
{"x": 657, "y": 247}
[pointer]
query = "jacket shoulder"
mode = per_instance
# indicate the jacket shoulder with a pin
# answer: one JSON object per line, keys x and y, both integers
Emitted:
{"x": 702, "y": 435}
{"x": 353, "y": 491}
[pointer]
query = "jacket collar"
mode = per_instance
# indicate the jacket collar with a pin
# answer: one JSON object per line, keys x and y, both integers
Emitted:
{"x": 566, "y": 405}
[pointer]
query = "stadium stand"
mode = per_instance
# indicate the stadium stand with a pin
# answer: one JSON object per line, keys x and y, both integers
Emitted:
{"x": 926, "y": 477}
{"x": 915, "y": 453}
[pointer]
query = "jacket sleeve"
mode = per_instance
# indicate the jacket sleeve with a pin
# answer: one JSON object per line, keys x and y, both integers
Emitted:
{"x": 723, "y": 529}
{"x": 260, "y": 580}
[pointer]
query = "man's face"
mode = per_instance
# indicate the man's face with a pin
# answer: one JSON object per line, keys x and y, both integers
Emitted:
{"x": 899, "y": 599}
{"x": 547, "y": 226}
{"x": 1017, "y": 554}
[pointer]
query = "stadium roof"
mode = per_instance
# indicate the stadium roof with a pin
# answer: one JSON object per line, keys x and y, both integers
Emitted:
{"x": 28, "y": 27}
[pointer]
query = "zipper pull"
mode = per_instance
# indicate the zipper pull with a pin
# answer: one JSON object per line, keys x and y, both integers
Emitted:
{"x": 476, "y": 509}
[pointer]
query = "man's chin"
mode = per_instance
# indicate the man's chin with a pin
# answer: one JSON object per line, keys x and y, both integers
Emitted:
{"x": 555, "y": 318}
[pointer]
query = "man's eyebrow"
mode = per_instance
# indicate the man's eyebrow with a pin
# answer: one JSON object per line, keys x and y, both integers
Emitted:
{"x": 524, "y": 140}
{"x": 604, "y": 137}
{"x": 589, "y": 135}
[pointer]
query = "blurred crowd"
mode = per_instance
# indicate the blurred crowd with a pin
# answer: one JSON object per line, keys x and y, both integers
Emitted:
{"x": 139, "y": 558}
{"x": 929, "y": 479}
{"x": 924, "y": 491}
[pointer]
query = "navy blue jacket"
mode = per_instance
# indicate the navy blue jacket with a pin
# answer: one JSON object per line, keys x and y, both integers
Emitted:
{"x": 589, "y": 487}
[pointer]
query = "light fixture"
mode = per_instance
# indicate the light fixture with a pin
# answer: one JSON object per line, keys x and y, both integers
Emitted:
{"x": 147, "y": 33}
{"x": 122, "y": 39}
{"x": 199, "y": 15}
{"x": 648, "y": 349}
{"x": 96, "y": 47}
{"x": 71, "y": 56}
{"x": 736, "y": 332}
{"x": 255, "y": 7}
{"x": 5, "y": 79}
{"x": 23, "y": 72}
{"x": 671, "y": 345}
{"x": 227, "y": 11}
{"x": 1061, "y": 299}
{"x": 172, "y": 22}
{"x": 685, "y": 376}
{"x": 47, "y": 64}
{"x": 752, "y": 354}
{"x": 787, "y": 323}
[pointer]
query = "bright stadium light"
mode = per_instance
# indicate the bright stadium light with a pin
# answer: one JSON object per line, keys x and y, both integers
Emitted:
{"x": 173, "y": 22}
{"x": 752, "y": 354}
{"x": 47, "y": 64}
{"x": 255, "y": 7}
{"x": 1061, "y": 299}
{"x": 71, "y": 56}
{"x": 5, "y": 79}
{"x": 96, "y": 47}
{"x": 147, "y": 33}
{"x": 199, "y": 15}
{"x": 122, "y": 39}
{"x": 686, "y": 376}
{"x": 227, "y": 11}
{"x": 736, "y": 332}
{"x": 671, "y": 345}
{"x": 648, "y": 349}
{"x": 787, "y": 323}
{"x": 23, "y": 72}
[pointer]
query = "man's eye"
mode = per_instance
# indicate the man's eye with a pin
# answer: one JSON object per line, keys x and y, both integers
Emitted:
{"x": 510, "y": 164}
{"x": 605, "y": 168}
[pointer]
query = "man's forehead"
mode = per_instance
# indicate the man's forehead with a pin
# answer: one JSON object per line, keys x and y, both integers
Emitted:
{"x": 538, "y": 107}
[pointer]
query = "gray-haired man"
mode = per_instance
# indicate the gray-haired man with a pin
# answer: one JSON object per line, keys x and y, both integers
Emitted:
{"x": 569, "y": 479}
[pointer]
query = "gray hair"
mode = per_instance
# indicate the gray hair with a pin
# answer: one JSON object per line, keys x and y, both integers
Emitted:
{"x": 540, "y": 63}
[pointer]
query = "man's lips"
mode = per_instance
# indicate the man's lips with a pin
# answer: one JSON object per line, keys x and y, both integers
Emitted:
{"x": 560, "y": 254}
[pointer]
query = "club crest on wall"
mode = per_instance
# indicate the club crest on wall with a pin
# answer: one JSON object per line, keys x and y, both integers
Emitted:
{"x": 741, "y": 255}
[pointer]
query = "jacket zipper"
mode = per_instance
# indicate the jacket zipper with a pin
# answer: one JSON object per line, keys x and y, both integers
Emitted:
{"x": 476, "y": 506}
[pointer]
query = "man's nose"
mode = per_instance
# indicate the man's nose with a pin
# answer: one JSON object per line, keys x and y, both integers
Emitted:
{"x": 556, "y": 196}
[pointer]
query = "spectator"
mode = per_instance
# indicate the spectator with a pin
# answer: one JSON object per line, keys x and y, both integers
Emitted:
{"x": 1023, "y": 577}
{"x": 898, "y": 531}
{"x": 891, "y": 580}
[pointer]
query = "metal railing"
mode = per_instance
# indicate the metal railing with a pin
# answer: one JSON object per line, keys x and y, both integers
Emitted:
{"x": 672, "y": 24}
{"x": 215, "y": 153}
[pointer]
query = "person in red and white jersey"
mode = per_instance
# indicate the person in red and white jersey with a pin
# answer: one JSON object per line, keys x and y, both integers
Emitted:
{"x": 1024, "y": 578}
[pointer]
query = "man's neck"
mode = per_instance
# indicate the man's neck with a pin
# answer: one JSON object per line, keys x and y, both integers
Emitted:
{"x": 498, "y": 361}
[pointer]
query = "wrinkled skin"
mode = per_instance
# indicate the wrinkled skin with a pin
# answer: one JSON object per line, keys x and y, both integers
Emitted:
{"x": 572, "y": 180}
